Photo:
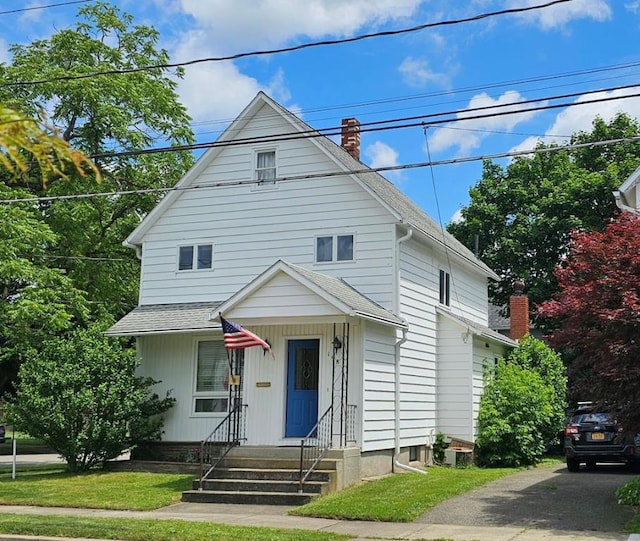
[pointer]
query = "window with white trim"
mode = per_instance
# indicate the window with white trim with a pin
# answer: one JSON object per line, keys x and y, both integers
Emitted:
{"x": 334, "y": 248}
{"x": 195, "y": 257}
{"x": 265, "y": 166}
{"x": 445, "y": 288}
{"x": 211, "y": 393}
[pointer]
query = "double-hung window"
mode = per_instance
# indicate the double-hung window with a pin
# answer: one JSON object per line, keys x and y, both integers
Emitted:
{"x": 195, "y": 257}
{"x": 265, "y": 166}
{"x": 445, "y": 288}
{"x": 212, "y": 378}
{"x": 334, "y": 248}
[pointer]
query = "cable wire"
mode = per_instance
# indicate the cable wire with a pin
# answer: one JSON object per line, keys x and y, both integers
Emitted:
{"x": 302, "y": 46}
{"x": 44, "y": 7}
{"x": 452, "y": 161}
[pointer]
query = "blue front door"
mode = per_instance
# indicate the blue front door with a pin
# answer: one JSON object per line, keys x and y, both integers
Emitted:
{"x": 302, "y": 387}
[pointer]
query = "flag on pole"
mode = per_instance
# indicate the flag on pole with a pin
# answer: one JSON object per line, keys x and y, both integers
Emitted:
{"x": 237, "y": 337}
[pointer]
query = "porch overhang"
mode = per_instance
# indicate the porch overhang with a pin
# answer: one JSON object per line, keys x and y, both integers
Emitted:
{"x": 191, "y": 317}
{"x": 476, "y": 329}
{"x": 287, "y": 293}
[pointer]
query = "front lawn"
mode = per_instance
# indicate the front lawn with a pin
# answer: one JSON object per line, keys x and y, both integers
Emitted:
{"x": 53, "y": 487}
{"x": 131, "y": 529}
{"x": 402, "y": 497}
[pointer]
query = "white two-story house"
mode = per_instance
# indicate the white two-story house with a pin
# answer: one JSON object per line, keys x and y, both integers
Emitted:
{"x": 374, "y": 313}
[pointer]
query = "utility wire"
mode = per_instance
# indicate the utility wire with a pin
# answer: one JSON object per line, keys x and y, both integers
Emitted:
{"x": 286, "y": 49}
{"x": 381, "y": 125}
{"x": 44, "y": 7}
{"x": 452, "y": 161}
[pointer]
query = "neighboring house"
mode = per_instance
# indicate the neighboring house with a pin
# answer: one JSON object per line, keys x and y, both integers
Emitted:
{"x": 372, "y": 310}
{"x": 628, "y": 195}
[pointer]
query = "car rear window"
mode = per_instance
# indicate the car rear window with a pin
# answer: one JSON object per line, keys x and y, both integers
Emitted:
{"x": 601, "y": 418}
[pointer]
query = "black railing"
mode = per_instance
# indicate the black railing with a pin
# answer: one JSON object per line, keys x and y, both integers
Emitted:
{"x": 315, "y": 445}
{"x": 224, "y": 437}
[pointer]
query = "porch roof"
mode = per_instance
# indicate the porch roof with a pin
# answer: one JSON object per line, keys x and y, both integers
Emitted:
{"x": 334, "y": 291}
{"x": 478, "y": 329}
{"x": 166, "y": 318}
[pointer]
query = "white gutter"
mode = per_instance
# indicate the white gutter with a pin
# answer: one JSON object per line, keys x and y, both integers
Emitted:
{"x": 396, "y": 454}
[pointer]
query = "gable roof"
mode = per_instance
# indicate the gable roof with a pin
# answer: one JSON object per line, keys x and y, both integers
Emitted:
{"x": 626, "y": 198}
{"x": 334, "y": 291}
{"x": 387, "y": 194}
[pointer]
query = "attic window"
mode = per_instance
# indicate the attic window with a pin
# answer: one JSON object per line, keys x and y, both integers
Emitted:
{"x": 265, "y": 166}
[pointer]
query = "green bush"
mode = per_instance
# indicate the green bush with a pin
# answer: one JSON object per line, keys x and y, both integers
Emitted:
{"x": 514, "y": 411}
{"x": 81, "y": 396}
{"x": 629, "y": 494}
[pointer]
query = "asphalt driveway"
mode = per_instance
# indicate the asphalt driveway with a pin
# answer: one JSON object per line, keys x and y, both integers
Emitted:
{"x": 547, "y": 497}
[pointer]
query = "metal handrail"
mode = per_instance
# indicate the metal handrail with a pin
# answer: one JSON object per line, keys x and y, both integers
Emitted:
{"x": 311, "y": 453}
{"x": 222, "y": 439}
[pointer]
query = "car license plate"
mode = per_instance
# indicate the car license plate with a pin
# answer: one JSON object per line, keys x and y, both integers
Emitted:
{"x": 597, "y": 435}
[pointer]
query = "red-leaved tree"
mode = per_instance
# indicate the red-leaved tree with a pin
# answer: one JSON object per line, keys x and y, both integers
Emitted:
{"x": 598, "y": 313}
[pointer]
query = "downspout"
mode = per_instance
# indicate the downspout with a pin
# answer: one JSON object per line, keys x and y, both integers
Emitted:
{"x": 398, "y": 345}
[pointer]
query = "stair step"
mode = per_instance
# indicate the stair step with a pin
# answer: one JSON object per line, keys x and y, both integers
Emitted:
{"x": 258, "y": 485}
{"x": 255, "y": 498}
{"x": 268, "y": 474}
{"x": 273, "y": 463}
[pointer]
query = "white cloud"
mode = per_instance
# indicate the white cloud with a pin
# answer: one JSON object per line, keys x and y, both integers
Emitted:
{"x": 457, "y": 217}
{"x": 5, "y": 56}
{"x": 469, "y": 134}
{"x": 380, "y": 154}
{"x": 247, "y": 24}
{"x": 561, "y": 14}
{"x": 416, "y": 73}
{"x": 580, "y": 118}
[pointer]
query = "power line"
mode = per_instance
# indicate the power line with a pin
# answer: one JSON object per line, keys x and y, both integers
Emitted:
{"x": 452, "y": 161}
{"x": 381, "y": 125}
{"x": 302, "y": 46}
{"x": 44, "y": 7}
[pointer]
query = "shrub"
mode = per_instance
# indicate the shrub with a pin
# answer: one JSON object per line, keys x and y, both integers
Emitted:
{"x": 80, "y": 395}
{"x": 515, "y": 409}
{"x": 629, "y": 494}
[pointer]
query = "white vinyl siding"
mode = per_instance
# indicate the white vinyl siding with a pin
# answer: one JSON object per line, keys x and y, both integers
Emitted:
{"x": 169, "y": 359}
{"x": 253, "y": 229}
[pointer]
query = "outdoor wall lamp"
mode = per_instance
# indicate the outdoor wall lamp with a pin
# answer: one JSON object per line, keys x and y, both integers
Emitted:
{"x": 337, "y": 343}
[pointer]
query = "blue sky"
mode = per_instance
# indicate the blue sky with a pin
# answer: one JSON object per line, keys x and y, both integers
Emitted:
{"x": 504, "y": 59}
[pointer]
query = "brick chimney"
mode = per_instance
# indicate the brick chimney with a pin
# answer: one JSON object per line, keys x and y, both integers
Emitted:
{"x": 351, "y": 136}
{"x": 519, "y": 312}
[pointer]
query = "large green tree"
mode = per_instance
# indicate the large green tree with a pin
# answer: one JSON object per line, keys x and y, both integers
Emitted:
{"x": 521, "y": 216}
{"x": 121, "y": 113}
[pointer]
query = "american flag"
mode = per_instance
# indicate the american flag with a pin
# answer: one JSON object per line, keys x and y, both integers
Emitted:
{"x": 237, "y": 337}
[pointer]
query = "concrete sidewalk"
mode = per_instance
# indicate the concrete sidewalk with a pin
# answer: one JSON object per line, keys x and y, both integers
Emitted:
{"x": 276, "y": 517}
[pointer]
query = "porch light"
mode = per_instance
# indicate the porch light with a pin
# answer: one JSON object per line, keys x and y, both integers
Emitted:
{"x": 337, "y": 343}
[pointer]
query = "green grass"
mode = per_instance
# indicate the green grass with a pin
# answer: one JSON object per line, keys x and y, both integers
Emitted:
{"x": 127, "y": 529}
{"x": 53, "y": 487}
{"x": 402, "y": 497}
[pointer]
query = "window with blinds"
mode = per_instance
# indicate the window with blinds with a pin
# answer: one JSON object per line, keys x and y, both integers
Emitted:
{"x": 212, "y": 378}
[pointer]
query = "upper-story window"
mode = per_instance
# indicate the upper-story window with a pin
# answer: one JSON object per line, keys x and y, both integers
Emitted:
{"x": 445, "y": 288}
{"x": 334, "y": 248}
{"x": 195, "y": 257}
{"x": 265, "y": 166}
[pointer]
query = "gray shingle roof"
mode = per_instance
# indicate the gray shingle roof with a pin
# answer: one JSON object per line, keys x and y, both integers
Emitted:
{"x": 497, "y": 321}
{"x": 166, "y": 318}
{"x": 478, "y": 329}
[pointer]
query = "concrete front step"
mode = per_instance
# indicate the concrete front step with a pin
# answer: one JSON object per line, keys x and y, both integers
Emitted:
{"x": 274, "y": 474}
{"x": 257, "y": 463}
{"x": 259, "y": 485}
{"x": 247, "y": 498}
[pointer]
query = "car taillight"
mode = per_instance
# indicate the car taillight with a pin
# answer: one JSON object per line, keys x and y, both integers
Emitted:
{"x": 571, "y": 429}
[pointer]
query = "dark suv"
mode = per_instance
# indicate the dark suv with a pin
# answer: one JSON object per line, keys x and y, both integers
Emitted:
{"x": 2, "y": 434}
{"x": 595, "y": 436}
